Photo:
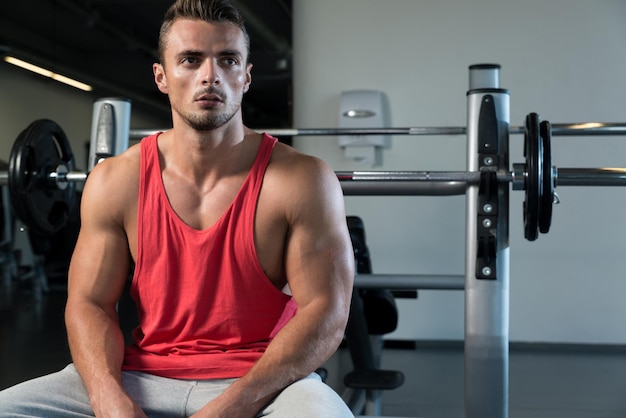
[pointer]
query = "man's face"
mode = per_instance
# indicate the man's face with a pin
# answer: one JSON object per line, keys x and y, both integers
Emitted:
{"x": 204, "y": 72}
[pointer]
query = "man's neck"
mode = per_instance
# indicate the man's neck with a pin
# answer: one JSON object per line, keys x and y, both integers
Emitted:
{"x": 219, "y": 152}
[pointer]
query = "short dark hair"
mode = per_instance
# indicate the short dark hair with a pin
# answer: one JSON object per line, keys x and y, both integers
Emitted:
{"x": 206, "y": 10}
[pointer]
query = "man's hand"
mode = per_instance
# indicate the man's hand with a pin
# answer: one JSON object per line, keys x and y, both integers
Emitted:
{"x": 232, "y": 404}
{"x": 116, "y": 404}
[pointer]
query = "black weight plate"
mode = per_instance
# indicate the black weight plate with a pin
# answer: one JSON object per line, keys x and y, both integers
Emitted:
{"x": 533, "y": 177}
{"x": 35, "y": 198}
{"x": 547, "y": 192}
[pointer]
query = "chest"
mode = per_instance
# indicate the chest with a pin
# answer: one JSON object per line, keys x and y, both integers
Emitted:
{"x": 202, "y": 208}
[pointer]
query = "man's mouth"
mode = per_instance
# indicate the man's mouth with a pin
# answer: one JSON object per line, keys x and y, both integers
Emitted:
{"x": 209, "y": 98}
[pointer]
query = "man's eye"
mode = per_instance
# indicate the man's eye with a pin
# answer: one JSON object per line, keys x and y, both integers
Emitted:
{"x": 189, "y": 60}
{"x": 230, "y": 61}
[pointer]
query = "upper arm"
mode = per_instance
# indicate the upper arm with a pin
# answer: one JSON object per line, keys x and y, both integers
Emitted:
{"x": 319, "y": 261}
{"x": 100, "y": 262}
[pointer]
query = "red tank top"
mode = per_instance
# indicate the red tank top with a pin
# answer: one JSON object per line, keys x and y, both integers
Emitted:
{"x": 206, "y": 308}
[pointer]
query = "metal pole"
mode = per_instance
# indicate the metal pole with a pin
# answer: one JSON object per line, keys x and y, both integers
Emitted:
{"x": 487, "y": 299}
{"x": 402, "y": 188}
{"x": 558, "y": 129}
{"x": 590, "y": 177}
{"x": 588, "y": 129}
{"x": 76, "y": 176}
{"x": 426, "y": 183}
{"x": 409, "y": 281}
{"x": 579, "y": 129}
{"x": 426, "y": 130}
{"x": 417, "y": 176}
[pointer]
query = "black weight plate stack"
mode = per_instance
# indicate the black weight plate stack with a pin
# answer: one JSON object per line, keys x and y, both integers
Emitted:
{"x": 533, "y": 182}
{"x": 547, "y": 192}
{"x": 35, "y": 197}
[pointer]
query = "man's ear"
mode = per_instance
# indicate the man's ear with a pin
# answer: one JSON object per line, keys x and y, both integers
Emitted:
{"x": 246, "y": 86}
{"x": 159, "y": 77}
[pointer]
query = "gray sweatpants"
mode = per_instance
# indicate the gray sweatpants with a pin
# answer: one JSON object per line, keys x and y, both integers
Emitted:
{"x": 63, "y": 394}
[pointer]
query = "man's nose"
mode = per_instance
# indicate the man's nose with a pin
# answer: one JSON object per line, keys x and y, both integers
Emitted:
{"x": 210, "y": 73}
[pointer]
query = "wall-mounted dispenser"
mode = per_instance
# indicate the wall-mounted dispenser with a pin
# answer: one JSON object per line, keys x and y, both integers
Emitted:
{"x": 364, "y": 109}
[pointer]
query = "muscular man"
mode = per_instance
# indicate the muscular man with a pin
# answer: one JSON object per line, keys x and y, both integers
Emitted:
{"x": 243, "y": 264}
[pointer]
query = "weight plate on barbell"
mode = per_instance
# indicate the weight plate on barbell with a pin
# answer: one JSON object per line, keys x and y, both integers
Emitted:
{"x": 37, "y": 152}
{"x": 547, "y": 187}
{"x": 532, "y": 152}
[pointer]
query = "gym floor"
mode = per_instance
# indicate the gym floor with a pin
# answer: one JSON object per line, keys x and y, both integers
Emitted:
{"x": 544, "y": 383}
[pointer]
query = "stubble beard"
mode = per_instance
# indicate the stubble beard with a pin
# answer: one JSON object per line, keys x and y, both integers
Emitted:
{"x": 208, "y": 122}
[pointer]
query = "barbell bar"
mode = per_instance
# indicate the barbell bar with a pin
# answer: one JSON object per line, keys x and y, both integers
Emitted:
{"x": 562, "y": 177}
{"x": 410, "y": 281}
{"x": 558, "y": 129}
{"x": 41, "y": 177}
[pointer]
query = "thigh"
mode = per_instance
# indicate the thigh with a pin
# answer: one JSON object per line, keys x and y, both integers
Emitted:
{"x": 63, "y": 394}
{"x": 60, "y": 394}
{"x": 307, "y": 398}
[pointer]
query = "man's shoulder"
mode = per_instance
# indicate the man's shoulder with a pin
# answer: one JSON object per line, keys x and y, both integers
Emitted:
{"x": 122, "y": 164}
{"x": 287, "y": 155}
{"x": 294, "y": 172}
{"x": 116, "y": 175}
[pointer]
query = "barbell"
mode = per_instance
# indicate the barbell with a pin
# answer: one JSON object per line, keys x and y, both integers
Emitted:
{"x": 41, "y": 175}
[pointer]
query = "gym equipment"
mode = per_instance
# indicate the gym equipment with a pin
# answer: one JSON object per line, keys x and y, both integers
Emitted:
{"x": 109, "y": 129}
{"x": 41, "y": 172}
{"x": 373, "y": 312}
{"x": 410, "y": 281}
{"x": 38, "y": 195}
{"x": 487, "y": 253}
{"x": 562, "y": 129}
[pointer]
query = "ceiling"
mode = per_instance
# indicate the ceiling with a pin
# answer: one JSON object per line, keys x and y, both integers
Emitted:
{"x": 111, "y": 44}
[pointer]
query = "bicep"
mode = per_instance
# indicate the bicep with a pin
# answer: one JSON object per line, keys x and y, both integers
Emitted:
{"x": 319, "y": 259}
{"x": 100, "y": 262}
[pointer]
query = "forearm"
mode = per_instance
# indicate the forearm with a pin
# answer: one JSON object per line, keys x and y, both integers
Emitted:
{"x": 308, "y": 340}
{"x": 97, "y": 348}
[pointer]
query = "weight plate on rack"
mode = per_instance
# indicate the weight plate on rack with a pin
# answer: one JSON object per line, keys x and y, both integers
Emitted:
{"x": 534, "y": 174}
{"x": 547, "y": 189}
{"x": 37, "y": 201}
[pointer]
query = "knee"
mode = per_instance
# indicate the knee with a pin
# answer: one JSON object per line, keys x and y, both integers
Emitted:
{"x": 14, "y": 401}
{"x": 46, "y": 396}
{"x": 308, "y": 398}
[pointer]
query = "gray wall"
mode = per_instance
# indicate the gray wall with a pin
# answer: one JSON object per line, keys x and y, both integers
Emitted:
{"x": 563, "y": 59}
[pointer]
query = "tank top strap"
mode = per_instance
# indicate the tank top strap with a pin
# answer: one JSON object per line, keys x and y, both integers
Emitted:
{"x": 264, "y": 154}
